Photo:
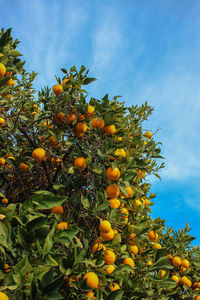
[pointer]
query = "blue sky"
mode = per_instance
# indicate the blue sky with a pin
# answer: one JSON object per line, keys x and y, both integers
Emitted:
{"x": 142, "y": 50}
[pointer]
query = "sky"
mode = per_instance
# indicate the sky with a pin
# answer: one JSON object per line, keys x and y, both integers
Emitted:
{"x": 141, "y": 50}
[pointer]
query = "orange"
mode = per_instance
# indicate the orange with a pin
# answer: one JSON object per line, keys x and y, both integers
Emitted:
{"x": 152, "y": 235}
{"x": 58, "y": 89}
{"x": 112, "y": 191}
{"x": 108, "y": 236}
{"x": 114, "y": 287}
{"x": 114, "y": 203}
{"x": 113, "y": 174}
{"x": 2, "y": 121}
{"x": 141, "y": 174}
{"x": 170, "y": 256}
{"x": 163, "y": 272}
{"x": 10, "y": 82}
{"x": 185, "y": 263}
{"x": 47, "y": 124}
{"x": 129, "y": 261}
{"x": 197, "y": 298}
{"x": 119, "y": 139}
{"x": 110, "y": 269}
{"x": 64, "y": 82}
{"x": 59, "y": 118}
{"x": 185, "y": 281}
{"x": 148, "y": 134}
{"x": 2, "y": 161}
{"x": 2, "y": 70}
{"x": 129, "y": 191}
{"x": 175, "y": 278}
{"x": 97, "y": 124}
{"x": 90, "y": 113}
{"x": 4, "y": 201}
{"x": 176, "y": 261}
{"x": 57, "y": 210}
{"x": 134, "y": 249}
{"x": 39, "y": 154}
{"x": 149, "y": 263}
{"x": 109, "y": 129}
{"x": 137, "y": 202}
{"x": 3, "y": 296}
{"x": 90, "y": 295}
{"x": 98, "y": 247}
{"x": 105, "y": 226}
{"x": 131, "y": 239}
{"x": 6, "y": 268}
{"x": 70, "y": 118}
{"x": 120, "y": 153}
{"x": 92, "y": 280}
{"x": 125, "y": 212}
{"x": 81, "y": 127}
{"x": 62, "y": 225}
{"x": 109, "y": 257}
{"x": 80, "y": 163}
{"x": 24, "y": 167}
{"x": 146, "y": 202}
{"x": 52, "y": 140}
{"x": 156, "y": 246}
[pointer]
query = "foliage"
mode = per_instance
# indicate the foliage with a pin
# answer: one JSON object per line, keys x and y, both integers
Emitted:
{"x": 41, "y": 259}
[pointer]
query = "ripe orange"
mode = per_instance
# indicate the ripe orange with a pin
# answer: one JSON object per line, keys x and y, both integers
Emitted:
{"x": 109, "y": 257}
{"x": 47, "y": 124}
{"x": 90, "y": 295}
{"x": 92, "y": 280}
{"x": 90, "y": 113}
{"x": 163, "y": 272}
{"x": 137, "y": 202}
{"x": 24, "y": 167}
{"x": 120, "y": 153}
{"x": 176, "y": 261}
{"x": 3, "y": 296}
{"x": 105, "y": 226}
{"x": 112, "y": 191}
{"x": 10, "y": 82}
{"x": 4, "y": 201}
{"x": 148, "y": 134}
{"x": 156, "y": 246}
{"x": 109, "y": 129}
{"x": 80, "y": 163}
{"x": 175, "y": 278}
{"x": 146, "y": 202}
{"x": 70, "y": 118}
{"x": 185, "y": 281}
{"x": 152, "y": 235}
{"x": 197, "y": 298}
{"x": 129, "y": 261}
{"x": 185, "y": 263}
{"x": 62, "y": 225}
{"x": 113, "y": 174}
{"x": 81, "y": 127}
{"x": 125, "y": 212}
{"x": 107, "y": 236}
{"x": 57, "y": 210}
{"x": 134, "y": 249}
{"x": 2, "y": 121}
{"x": 58, "y": 89}
{"x": 59, "y": 118}
{"x": 130, "y": 192}
{"x": 2, "y": 161}
{"x": 2, "y": 70}
{"x": 110, "y": 269}
{"x": 114, "y": 203}
{"x": 6, "y": 269}
{"x": 98, "y": 247}
{"x": 114, "y": 287}
{"x": 39, "y": 154}
{"x": 97, "y": 124}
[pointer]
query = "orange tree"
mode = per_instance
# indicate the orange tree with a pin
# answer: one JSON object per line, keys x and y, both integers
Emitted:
{"x": 75, "y": 216}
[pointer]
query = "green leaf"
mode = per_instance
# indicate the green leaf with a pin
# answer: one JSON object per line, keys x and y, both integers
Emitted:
{"x": 85, "y": 202}
{"x": 103, "y": 206}
{"x": 116, "y": 295}
{"x": 8, "y": 211}
{"x": 88, "y": 80}
{"x": 15, "y": 53}
{"x": 161, "y": 263}
{"x": 42, "y": 201}
{"x": 123, "y": 268}
{"x": 48, "y": 242}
